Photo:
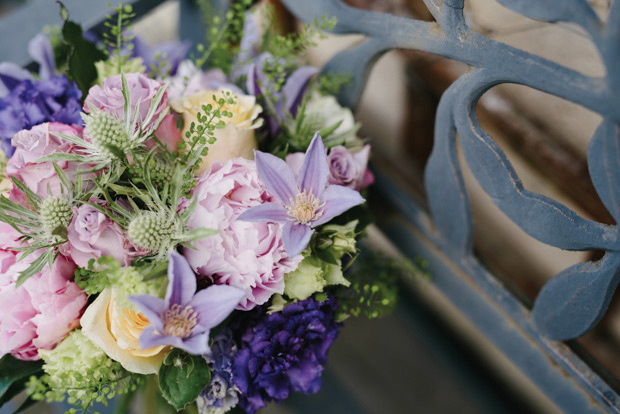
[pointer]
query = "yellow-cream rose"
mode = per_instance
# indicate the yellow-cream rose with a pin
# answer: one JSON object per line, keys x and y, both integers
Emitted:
{"x": 236, "y": 139}
{"x": 116, "y": 330}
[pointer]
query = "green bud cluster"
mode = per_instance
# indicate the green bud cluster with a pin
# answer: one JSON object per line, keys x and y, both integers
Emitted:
{"x": 160, "y": 170}
{"x": 106, "y": 132}
{"x": 56, "y": 213}
{"x": 150, "y": 230}
{"x": 83, "y": 371}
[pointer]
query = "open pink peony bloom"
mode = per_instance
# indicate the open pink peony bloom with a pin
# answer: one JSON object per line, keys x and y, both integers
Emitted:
{"x": 92, "y": 235}
{"x": 249, "y": 256}
{"x": 8, "y": 240}
{"x": 42, "y": 311}
{"x": 109, "y": 96}
{"x": 30, "y": 145}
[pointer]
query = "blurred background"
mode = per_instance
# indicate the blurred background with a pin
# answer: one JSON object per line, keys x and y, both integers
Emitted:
{"x": 426, "y": 357}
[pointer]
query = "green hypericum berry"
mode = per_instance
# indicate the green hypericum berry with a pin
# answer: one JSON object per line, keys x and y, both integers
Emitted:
{"x": 105, "y": 131}
{"x": 150, "y": 230}
{"x": 56, "y": 213}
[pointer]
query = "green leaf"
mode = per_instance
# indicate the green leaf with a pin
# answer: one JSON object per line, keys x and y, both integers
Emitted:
{"x": 83, "y": 56}
{"x": 13, "y": 372}
{"x": 199, "y": 234}
{"x": 34, "y": 268}
{"x": 182, "y": 377}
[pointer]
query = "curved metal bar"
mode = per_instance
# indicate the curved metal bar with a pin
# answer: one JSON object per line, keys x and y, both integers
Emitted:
{"x": 443, "y": 179}
{"x": 469, "y": 47}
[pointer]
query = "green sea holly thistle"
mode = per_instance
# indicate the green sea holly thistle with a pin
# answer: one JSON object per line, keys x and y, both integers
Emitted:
{"x": 44, "y": 225}
{"x": 112, "y": 137}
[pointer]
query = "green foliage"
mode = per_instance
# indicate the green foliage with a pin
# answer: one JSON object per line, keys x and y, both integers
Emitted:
{"x": 374, "y": 289}
{"x": 117, "y": 38}
{"x": 331, "y": 83}
{"x": 182, "y": 377}
{"x": 223, "y": 35}
{"x": 202, "y": 132}
{"x": 100, "y": 274}
{"x": 82, "y": 55}
{"x": 13, "y": 375}
{"x": 79, "y": 369}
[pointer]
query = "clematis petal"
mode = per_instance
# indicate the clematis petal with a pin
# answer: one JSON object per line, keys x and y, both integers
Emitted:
{"x": 150, "y": 338}
{"x": 295, "y": 238}
{"x": 337, "y": 199}
{"x": 277, "y": 176}
{"x": 152, "y": 308}
{"x": 181, "y": 280}
{"x": 314, "y": 170}
{"x": 196, "y": 345}
{"x": 295, "y": 87}
{"x": 40, "y": 49}
{"x": 214, "y": 304}
{"x": 272, "y": 212}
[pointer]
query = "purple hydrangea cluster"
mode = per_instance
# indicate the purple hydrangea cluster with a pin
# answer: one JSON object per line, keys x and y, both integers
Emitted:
{"x": 284, "y": 352}
{"x": 32, "y": 102}
{"x": 221, "y": 394}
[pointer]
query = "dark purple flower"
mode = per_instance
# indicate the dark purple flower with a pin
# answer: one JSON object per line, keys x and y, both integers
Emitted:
{"x": 184, "y": 318}
{"x": 283, "y": 352}
{"x": 31, "y": 102}
{"x": 304, "y": 203}
{"x": 221, "y": 394}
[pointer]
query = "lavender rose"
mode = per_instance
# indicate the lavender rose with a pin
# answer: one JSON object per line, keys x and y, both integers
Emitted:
{"x": 92, "y": 235}
{"x": 109, "y": 96}
{"x": 348, "y": 169}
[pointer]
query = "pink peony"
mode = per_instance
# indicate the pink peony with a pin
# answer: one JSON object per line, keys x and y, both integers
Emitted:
{"x": 30, "y": 145}
{"x": 109, "y": 96}
{"x": 42, "y": 311}
{"x": 92, "y": 235}
{"x": 249, "y": 256}
{"x": 8, "y": 257}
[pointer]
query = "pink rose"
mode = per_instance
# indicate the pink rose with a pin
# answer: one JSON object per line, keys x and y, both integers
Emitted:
{"x": 246, "y": 255}
{"x": 92, "y": 235}
{"x": 42, "y": 311}
{"x": 109, "y": 96}
{"x": 34, "y": 144}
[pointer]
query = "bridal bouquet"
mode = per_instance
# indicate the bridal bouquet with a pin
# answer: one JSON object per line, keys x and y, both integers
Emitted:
{"x": 185, "y": 221}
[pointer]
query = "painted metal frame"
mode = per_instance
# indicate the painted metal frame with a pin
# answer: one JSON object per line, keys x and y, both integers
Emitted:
{"x": 572, "y": 302}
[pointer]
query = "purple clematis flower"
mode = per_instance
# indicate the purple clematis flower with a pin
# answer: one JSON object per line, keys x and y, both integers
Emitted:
{"x": 184, "y": 318}
{"x": 303, "y": 204}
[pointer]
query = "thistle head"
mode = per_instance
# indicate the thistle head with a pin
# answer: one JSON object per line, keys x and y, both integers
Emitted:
{"x": 106, "y": 131}
{"x": 150, "y": 231}
{"x": 56, "y": 214}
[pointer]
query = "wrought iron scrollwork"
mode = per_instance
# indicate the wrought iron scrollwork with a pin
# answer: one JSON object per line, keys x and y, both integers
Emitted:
{"x": 572, "y": 302}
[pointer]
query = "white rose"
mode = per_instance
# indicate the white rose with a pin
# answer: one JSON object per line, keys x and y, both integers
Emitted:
{"x": 236, "y": 139}
{"x": 117, "y": 331}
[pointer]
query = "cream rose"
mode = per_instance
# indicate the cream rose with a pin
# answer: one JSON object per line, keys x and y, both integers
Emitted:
{"x": 236, "y": 139}
{"x": 116, "y": 330}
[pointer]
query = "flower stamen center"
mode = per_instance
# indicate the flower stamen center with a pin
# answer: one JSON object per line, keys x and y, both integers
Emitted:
{"x": 179, "y": 321}
{"x": 305, "y": 208}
